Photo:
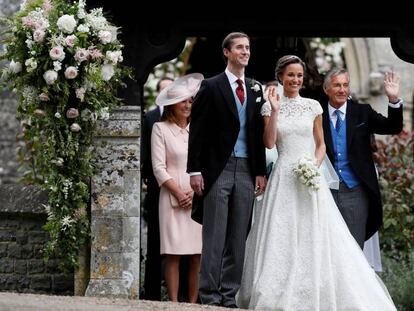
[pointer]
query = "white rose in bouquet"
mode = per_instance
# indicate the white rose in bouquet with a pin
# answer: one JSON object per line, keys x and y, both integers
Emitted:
{"x": 308, "y": 173}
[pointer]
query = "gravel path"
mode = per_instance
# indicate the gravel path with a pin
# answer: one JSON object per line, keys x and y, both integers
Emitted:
{"x": 31, "y": 302}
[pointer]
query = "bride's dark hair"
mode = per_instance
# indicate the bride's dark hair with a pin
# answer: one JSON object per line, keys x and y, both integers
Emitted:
{"x": 286, "y": 60}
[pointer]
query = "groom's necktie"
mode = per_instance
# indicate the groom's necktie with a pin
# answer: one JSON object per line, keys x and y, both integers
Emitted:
{"x": 240, "y": 91}
{"x": 339, "y": 121}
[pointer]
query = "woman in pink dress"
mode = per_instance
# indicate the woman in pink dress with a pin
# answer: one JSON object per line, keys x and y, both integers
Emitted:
{"x": 179, "y": 234}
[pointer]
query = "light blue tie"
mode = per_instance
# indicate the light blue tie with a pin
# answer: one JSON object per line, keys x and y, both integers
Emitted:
{"x": 339, "y": 121}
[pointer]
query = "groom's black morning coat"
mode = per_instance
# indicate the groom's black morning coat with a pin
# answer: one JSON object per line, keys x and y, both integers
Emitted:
{"x": 214, "y": 128}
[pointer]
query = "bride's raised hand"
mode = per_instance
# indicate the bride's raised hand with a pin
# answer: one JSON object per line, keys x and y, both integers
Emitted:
{"x": 273, "y": 98}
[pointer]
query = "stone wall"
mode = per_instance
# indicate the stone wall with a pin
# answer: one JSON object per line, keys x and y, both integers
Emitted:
{"x": 22, "y": 237}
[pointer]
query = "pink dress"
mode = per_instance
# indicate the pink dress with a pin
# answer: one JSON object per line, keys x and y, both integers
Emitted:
{"x": 179, "y": 234}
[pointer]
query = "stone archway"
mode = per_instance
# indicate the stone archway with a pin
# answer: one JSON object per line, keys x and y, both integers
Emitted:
{"x": 367, "y": 59}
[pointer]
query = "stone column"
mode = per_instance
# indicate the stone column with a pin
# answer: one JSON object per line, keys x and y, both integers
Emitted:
{"x": 115, "y": 215}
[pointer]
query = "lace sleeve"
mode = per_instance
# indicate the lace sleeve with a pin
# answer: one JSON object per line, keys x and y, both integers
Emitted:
{"x": 266, "y": 110}
{"x": 316, "y": 107}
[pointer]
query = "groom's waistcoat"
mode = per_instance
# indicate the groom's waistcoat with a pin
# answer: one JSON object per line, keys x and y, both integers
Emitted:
{"x": 240, "y": 148}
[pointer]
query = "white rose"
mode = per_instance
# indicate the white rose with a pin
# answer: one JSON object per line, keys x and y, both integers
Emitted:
{"x": 31, "y": 64}
{"x": 83, "y": 28}
{"x": 57, "y": 53}
{"x": 80, "y": 93}
{"x": 50, "y": 76}
{"x": 71, "y": 72}
{"x": 58, "y": 161}
{"x": 114, "y": 56}
{"x": 114, "y": 32}
{"x": 15, "y": 67}
{"x": 57, "y": 115}
{"x": 29, "y": 43}
{"x": 75, "y": 127}
{"x": 107, "y": 72}
{"x": 66, "y": 23}
{"x": 105, "y": 36}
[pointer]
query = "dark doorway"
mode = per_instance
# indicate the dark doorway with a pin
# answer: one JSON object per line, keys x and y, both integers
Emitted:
{"x": 206, "y": 58}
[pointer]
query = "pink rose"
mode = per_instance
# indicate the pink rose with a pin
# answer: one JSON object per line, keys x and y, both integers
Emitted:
{"x": 57, "y": 53}
{"x": 39, "y": 35}
{"x": 70, "y": 40}
{"x": 43, "y": 97}
{"x": 81, "y": 55}
{"x": 71, "y": 72}
{"x": 39, "y": 113}
{"x": 72, "y": 113}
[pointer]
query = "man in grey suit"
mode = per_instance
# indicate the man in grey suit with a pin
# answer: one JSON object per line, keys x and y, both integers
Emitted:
{"x": 348, "y": 128}
{"x": 226, "y": 161}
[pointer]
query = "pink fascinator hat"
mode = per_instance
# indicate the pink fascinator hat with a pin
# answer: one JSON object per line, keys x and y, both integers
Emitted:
{"x": 181, "y": 89}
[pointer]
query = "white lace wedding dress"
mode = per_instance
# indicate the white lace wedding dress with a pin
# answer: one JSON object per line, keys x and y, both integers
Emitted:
{"x": 300, "y": 254}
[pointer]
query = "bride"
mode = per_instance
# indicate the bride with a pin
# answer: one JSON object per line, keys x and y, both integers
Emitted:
{"x": 300, "y": 254}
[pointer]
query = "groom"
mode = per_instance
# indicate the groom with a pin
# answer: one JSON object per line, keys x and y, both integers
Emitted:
{"x": 348, "y": 128}
{"x": 226, "y": 162}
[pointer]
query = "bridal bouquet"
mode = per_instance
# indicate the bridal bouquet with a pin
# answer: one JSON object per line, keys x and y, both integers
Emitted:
{"x": 308, "y": 173}
{"x": 65, "y": 68}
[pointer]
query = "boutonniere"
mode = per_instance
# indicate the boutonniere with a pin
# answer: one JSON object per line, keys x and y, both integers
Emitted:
{"x": 255, "y": 86}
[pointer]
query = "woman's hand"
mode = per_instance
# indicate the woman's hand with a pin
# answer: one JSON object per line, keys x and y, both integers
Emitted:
{"x": 185, "y": 199}
{"x": 260, "y": 185}
{"x": 273, "y": 98}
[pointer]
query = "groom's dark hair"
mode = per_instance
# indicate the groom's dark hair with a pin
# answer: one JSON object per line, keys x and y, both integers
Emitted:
{"x": 229, "y": 40}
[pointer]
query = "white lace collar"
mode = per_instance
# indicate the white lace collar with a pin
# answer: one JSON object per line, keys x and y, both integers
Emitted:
{"x": 291, "y": 99}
